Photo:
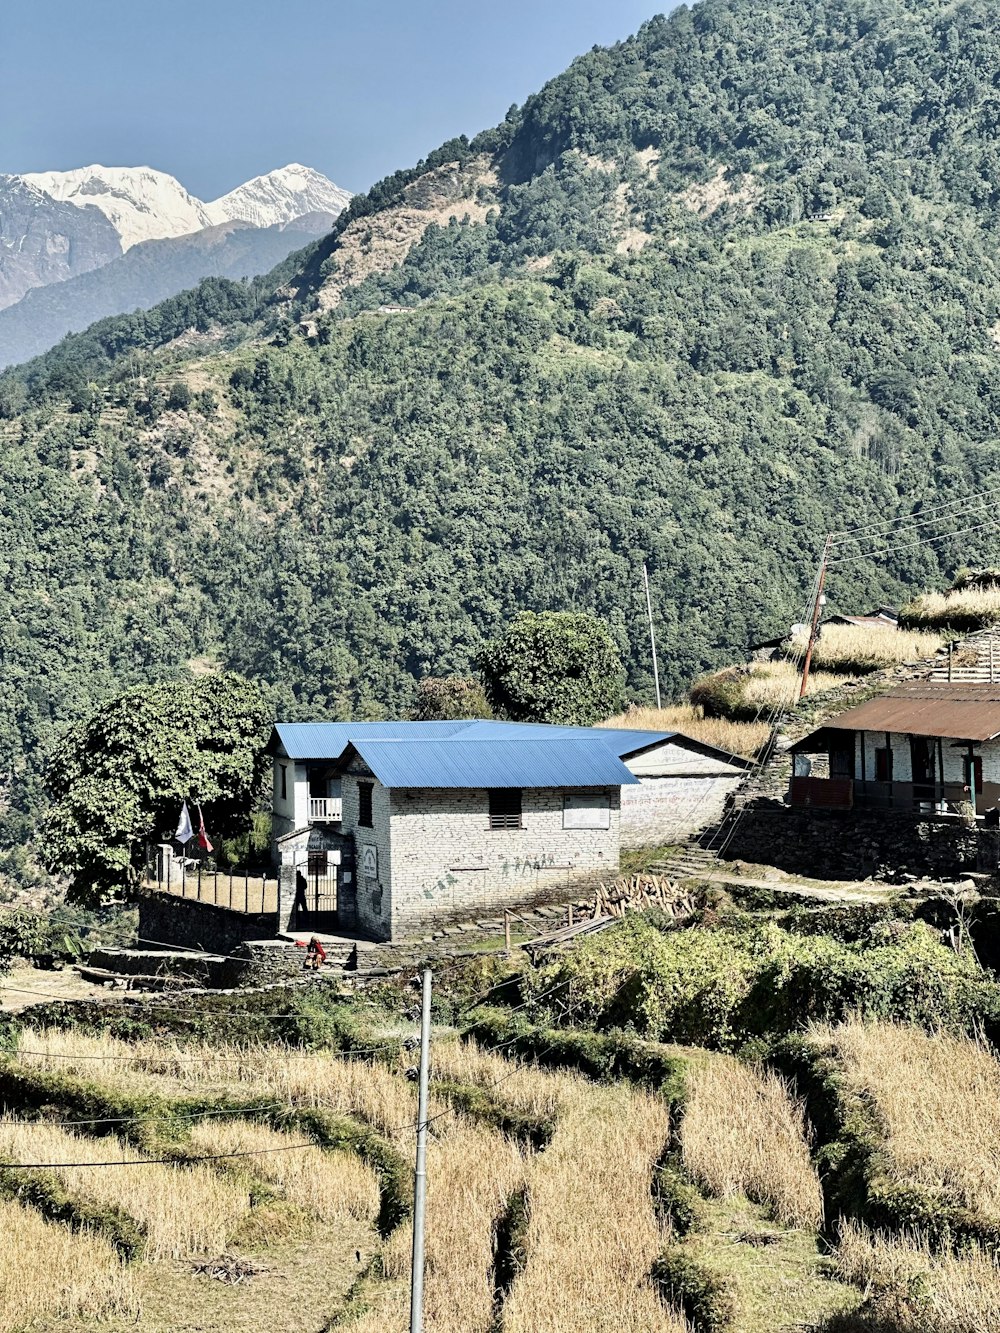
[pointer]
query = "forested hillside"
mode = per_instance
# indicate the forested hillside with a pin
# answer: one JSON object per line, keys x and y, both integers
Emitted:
{"x": 708, "y": 294}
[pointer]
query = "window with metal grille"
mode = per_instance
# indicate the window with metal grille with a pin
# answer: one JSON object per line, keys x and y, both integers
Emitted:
{"x": 365, "y": 804}
{"x": 505, "y": 808}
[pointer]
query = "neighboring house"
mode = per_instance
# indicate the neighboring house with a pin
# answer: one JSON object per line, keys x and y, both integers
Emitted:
{"x": 401, "y": 824}
{"x": 928, "y": 746}
{"x": 882, "y": 617}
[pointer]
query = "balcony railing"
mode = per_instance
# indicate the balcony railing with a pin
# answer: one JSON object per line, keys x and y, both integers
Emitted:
{"x": 325, "y": 809}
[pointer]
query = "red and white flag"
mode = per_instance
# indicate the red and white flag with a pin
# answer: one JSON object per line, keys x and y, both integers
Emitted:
{"x": 203, "y": 841}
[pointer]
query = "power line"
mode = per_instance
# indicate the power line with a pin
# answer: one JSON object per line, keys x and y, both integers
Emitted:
{"x": 202, "y": 1059}
{"x": 908, "y": 546}
{"x": 926, "y": 513}
{"x": 147, "y": 1115}
{"x": 158, "y": 1161}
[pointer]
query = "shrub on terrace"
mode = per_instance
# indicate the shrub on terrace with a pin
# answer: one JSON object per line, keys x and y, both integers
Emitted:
{"x": 723, "y": 987}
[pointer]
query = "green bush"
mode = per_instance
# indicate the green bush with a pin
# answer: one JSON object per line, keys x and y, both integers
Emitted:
{"x": 722, "y": 695}
{"x": 724, "y": 987}
{"x": 704, "y": 1299}
{"x": 599, "y": 1056}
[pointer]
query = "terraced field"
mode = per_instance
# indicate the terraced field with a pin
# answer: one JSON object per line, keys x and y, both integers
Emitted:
{"x": 165, "y": 1184}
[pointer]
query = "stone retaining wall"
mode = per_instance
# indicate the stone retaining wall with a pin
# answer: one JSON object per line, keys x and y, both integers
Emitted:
{"x": 173, "y": 922}
{"x": 836, "y": 844}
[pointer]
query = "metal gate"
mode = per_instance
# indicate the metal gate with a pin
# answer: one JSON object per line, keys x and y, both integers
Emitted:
{"x": 321, "y": 896}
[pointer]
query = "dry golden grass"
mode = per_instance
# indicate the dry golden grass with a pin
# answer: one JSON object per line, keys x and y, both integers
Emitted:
{"x": 743, "y": 738}
{"x": 374, "y": 1092}
{"x": 915, "y": 1290}
{"x": 592, "y": 1234}
{"x": 966, "y": 607}
{"x": 850, "y": 649}
{"x": 182, "y": 1210}
{"x": 333, "y": 1186}
{"x": 938, "y": 1100}
{"x": 777, "y": 683}
{"x": 742, "y": 1133}
{"x": 471, "y": 1174}
{"x": 48, "y": 1272}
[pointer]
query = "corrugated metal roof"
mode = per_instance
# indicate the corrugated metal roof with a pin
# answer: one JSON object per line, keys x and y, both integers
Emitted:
{"x": 620, "y": 740}
{"x": 513, "y": 762}
{"x": 329, "y": 740}
{"x": 926, "y": 708}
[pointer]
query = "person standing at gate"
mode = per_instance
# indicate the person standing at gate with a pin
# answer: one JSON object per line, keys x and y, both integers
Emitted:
{"x": 300, "y": 908}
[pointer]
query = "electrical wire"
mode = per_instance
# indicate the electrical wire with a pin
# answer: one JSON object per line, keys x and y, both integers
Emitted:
{"x": 926, "y": 515}
{"x": 907, "y": 546}
{"x": 200, "y": 1059}
{"x": 147, "y": 1115}
{"x": 158, "y": 1161}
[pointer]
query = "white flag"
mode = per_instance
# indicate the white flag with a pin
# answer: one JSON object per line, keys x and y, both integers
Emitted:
{"x": 184, "y": 832}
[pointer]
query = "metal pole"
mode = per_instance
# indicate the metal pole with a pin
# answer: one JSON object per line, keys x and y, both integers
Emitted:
{"x": 652, "y": 635}
{"x": 815, "y": 618}
{"x": 420, "y": 1173}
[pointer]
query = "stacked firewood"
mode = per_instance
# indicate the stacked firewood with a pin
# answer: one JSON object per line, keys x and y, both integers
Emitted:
{"x": 640, "y": 893}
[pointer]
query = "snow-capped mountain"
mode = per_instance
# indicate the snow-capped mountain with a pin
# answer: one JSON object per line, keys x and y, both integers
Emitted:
{"x": 56, "y": 226}
{"x": 147, "y": 205}
{"x": 44, "y": 240}
{"x": 140, "y": 203}
{"x": 280, "y": 197}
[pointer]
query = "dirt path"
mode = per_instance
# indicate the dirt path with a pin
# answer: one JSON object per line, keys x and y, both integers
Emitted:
{"x": 27, "y": 985}
{"x": 302, "y": 1286}
{"x": 835, "y": 891}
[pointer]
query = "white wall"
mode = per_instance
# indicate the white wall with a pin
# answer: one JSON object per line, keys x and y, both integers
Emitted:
{"x": 374, "y": 892}
{"x": 667, "y": 810}
{"x": 447, "y": 862}
{"x": 292, "y": 811}
{"x": 674, "y": 759}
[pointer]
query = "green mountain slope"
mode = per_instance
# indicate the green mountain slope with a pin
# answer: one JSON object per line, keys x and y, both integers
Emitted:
{"x": 709, "y": 293}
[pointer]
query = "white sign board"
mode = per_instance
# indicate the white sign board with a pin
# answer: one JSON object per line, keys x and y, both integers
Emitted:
{"x": 369, "y": 861}
{"x": 586, "y": 811}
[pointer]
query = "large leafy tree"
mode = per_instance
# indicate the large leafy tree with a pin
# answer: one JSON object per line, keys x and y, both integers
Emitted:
{"x": 117, "y": 781}
{"x": 554, "y": 666}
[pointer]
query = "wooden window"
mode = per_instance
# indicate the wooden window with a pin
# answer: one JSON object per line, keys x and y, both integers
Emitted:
{"x": 505, "y": 808}
{"x": 883, "y": 765}
{"x": 977, "y": 768}
{"x": 284, "y": 781}
{"x": 841, "y": 764}
{"x": 365, "y": 804}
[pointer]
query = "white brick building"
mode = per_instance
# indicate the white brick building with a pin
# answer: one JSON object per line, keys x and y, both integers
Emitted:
{"x": 420, "y": 823}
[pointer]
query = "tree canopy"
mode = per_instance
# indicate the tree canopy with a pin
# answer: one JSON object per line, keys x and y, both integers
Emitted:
{"x": 709, "y": 294}
{"x": 554, "y": 667}
{"x": 117, "y": 781}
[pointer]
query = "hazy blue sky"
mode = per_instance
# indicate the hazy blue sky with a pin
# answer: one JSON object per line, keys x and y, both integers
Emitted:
{"x": 216, "y": 91}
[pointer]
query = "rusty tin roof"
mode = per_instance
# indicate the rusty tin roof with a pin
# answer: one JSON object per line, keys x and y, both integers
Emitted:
{"x": 926, "y": 708}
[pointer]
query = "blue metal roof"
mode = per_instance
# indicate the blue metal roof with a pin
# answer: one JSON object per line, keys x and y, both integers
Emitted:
{"x": 512, "y": 762}
{"x": 426, "y": 743}
{"x": 619, "y": 740}
{"x": 329, "y": 740}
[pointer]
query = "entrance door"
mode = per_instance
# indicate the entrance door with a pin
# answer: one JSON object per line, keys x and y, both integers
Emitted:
{"x": 922, "y": 766}
{"x": 322, "y": 893}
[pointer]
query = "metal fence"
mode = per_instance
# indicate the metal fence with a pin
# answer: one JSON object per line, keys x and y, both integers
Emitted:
{"x": 235, "y": 890}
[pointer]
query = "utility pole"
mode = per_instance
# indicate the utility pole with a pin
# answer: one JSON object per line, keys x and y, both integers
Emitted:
{"x": 420, "y": 1173}
{"x": 652, "y": 635}
{"x": 815, "y": 617}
